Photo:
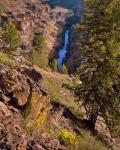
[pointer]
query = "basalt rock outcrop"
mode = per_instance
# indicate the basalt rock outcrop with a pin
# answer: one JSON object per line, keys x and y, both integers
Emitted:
{"x": 17, "y": 90}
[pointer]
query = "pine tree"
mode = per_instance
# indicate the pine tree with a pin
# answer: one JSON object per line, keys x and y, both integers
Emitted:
{"x": 100, "y": 72}
{"x": 39, "y": 53}
{"x": 39, "y": 43}
{"x": 11, "y": 36}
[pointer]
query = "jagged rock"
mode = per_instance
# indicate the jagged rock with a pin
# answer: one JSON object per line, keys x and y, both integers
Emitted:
{"x": 60, "y": 117}
{"x": 17, "y": 90}
{"x": 12, "y": 136}
{"x": 45, "y": 143}
{"x": 14, "y": 86}
{"x": 104, "y": 133}
{"x": 33, "y": 74}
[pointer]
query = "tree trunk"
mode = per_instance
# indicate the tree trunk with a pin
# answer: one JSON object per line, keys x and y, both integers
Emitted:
{"x": 92, "y": 120}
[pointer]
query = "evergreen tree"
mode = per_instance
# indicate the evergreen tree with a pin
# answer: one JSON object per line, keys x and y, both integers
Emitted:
{"x": 11, "y": 36}
{"x": 39, "y": 43}
{"x": 54, "y": 65}
{"x": 39, "y": 53}
{"x": 100, "y": 70}
{"x": 64, "y": 69}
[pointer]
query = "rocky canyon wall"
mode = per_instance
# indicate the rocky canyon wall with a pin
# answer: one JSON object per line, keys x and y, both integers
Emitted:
{"x": 33, "y": 17}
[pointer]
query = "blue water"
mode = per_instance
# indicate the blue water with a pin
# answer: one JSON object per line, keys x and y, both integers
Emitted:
{"x": 63, "y": 51}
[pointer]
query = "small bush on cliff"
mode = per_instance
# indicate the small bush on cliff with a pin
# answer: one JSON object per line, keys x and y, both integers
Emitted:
{"x": 66, "y": 137}
{"x": 54, "y": 65}
{"x": 11, "y": 36}
{"x": 64, "y": 69}
{"x": 6, "y": 60}
{"x": 39, "y": 58}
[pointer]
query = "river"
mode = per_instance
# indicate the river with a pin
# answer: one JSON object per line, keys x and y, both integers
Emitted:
{"x": 63, "y": 50}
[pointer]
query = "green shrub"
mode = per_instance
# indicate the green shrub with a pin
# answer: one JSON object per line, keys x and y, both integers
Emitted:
{"x": 39, "y": 58}
{"x": 39, "y": 53}
{"x": 39, "y": 43}
{"x": 11, "y": 36}
{"x": 54, "y": 65}
{"x": 86, "y": 141}
{"x": 6, "y": 60}
{"x": 64, "y": 69}
{"x": 66, "y": 137}
{"x": 67, "y": 86}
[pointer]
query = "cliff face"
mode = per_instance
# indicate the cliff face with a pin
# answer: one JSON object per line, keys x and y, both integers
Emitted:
{"x": 75, "y": 6}
{"x": 75, "y": 55}
{"x": 32, "y": 17}
{"x": 28, "y": 119}
{"x": 30, "y": 116}
{"x": 24, "y": 105}
{"x": 72, "y": 4}
{"x": 73, "y": 58}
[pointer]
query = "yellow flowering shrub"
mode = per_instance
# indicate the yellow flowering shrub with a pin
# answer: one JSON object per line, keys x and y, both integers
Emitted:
{"x": 66, "y": 137}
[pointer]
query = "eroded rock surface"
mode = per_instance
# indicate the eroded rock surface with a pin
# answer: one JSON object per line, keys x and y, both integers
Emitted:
{"x": 17, "y": 90}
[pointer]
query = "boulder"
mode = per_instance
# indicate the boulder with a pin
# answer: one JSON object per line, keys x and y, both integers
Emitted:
{"x": 12, "y": 136}
{"x": 14, "y": 86}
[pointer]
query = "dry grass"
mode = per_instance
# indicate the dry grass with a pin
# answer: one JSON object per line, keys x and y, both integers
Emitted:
{"x": 88, "y": 142}
{"x": 53, "y": 82}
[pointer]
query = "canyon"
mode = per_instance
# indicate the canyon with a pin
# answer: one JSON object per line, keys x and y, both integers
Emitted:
{"x": 33, "y": 17}
{"x": 39, "y": 18}
{"x": 38, "y": 108}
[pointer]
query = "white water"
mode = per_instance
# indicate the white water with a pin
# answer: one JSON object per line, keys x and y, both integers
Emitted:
{"x": 63, "y": 51}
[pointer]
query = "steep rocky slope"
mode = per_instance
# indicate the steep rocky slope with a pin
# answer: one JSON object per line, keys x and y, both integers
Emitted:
{"x": 31, "y": 117}
{"x": 33, "y": 17}
{"x": 34, "y": 103}
{"x": 28, "y": 120}
{"x": 18, "y": 90}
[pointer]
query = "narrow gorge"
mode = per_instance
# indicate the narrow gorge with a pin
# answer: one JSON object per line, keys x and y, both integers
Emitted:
{"x": 59, "y": 75}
